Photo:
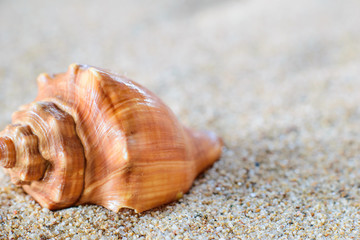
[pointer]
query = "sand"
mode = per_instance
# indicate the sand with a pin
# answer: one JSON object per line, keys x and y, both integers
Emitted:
{"x": 278, "y": 81}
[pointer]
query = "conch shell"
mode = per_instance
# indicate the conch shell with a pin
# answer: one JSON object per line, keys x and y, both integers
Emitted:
{"x": 94, "y": 137}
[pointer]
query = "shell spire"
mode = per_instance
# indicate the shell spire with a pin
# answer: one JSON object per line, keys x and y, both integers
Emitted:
{"x": 92, "y": 136}
{"x": 7, "y": 153}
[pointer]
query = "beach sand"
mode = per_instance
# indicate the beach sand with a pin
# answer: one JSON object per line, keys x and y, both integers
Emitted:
{"x": 277, "y": 80}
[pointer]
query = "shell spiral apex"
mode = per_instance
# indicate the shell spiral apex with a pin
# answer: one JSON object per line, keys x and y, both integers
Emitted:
{"x": 94, "y": 137}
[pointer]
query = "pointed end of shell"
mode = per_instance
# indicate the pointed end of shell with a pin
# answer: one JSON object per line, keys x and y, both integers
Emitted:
{"x": 7, "y": 152}
{"x": 207, "y": 149}
{"x": 43, "y": 79}
{"x": 95, "y": 73}
{"x": 73, "y": 71}
{"x": 74, "y": 67}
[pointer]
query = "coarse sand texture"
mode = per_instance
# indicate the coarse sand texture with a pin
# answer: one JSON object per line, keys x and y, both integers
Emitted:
{"x": 279, "y": 81}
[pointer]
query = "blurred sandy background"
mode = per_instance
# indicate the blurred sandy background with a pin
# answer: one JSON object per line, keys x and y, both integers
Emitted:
{"x": 278, "y": 80}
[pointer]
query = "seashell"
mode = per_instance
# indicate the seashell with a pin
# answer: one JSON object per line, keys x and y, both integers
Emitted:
{"x": 94, "y": 137}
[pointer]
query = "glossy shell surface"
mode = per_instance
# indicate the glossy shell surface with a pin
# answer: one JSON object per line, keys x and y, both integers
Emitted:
{"x": 92, "y": 136}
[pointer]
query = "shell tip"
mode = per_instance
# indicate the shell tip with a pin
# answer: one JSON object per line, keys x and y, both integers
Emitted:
{"x": 7, "y": 152}
{"x": 42, "y": 79}
{"x": 207, "y": 149}
{"x": 95, "y": 72}
{"x": 73, "y": 68}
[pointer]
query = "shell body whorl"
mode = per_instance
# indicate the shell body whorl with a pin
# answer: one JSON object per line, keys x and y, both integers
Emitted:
{"x": 92, "y": 136}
